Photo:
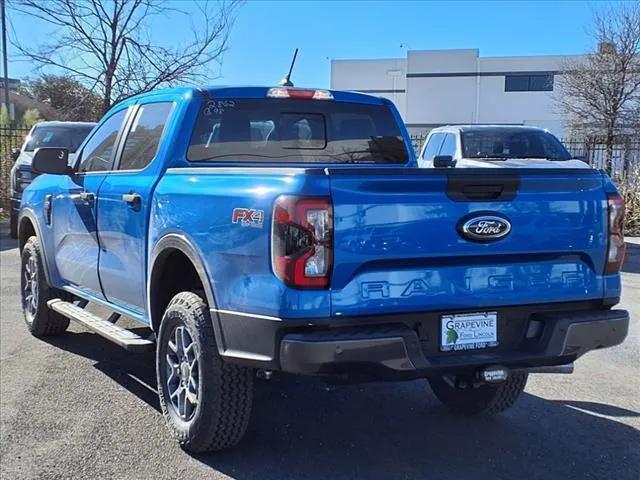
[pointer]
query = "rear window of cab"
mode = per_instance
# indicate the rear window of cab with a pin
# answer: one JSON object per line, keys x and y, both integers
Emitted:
{"x": 293, "y": 131}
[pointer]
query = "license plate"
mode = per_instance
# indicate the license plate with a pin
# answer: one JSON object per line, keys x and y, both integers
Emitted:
{"x": 468, "y": 331}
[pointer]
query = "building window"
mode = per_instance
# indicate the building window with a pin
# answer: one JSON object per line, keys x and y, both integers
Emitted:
{"x": 528, "y": 83}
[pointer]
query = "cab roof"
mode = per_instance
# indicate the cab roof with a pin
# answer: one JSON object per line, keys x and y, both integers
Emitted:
{"x": 261, "y": 92}
{"x": 257, "y": 92}
{"x": 480, "y": 128}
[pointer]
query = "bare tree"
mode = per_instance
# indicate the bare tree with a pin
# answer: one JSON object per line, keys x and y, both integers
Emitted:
{"x": 600, "y": 92}
{"x": 108, "y": 45}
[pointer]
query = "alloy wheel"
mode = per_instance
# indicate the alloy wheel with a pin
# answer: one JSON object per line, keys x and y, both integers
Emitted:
{"x": 30, "y": 288}
{"x": 183, "y": 378}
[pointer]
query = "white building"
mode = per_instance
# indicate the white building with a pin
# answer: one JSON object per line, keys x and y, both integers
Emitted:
{"x": 447, "y": 87}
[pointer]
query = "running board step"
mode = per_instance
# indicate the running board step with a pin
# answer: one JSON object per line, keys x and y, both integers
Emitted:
{"x": 118, "y": 335}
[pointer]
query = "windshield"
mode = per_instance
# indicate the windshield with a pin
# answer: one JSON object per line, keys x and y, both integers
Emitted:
{"x": 503, "y": 143}
{"x": 285, "y": 130}
{"x": 69, "y": 137}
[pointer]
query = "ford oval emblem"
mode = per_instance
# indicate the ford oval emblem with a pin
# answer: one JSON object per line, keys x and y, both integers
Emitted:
{"x": 484, "y": 228}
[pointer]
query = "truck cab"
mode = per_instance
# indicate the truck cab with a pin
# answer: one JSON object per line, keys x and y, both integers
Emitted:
{"x": 254, "y": 230}
{"x": 495, "y": 146}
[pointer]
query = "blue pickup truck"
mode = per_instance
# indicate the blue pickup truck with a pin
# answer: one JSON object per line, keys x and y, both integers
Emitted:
{"x": 258, "y": 230}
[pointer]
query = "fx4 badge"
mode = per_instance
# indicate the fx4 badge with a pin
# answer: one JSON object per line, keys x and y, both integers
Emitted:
{"x": 248, "y": 217}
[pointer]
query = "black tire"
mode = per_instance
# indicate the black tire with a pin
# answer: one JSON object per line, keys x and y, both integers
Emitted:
{"x": 484, "y": 399}
{"x": 13, "y": 225}
{"x": 224, "y": 392}
{"x": 35, "y": 293}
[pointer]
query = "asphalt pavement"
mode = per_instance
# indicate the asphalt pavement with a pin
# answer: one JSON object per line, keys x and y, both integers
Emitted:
{"x": 77, "y": 407}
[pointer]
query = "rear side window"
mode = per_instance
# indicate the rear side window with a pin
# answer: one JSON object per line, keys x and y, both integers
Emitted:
{"x": 291, "y": 131}
{"x": 433, "y": 146}
{"x": 97, "y": 154}
{"x": 144, "y": 136}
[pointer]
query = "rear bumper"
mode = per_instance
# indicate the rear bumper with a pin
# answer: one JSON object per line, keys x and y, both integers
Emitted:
{"x": 406, "y": 346}
{"x": 389, "y": 351}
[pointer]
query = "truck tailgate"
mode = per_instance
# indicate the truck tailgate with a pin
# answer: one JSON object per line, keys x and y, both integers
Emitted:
{"x": 399, "y": 245}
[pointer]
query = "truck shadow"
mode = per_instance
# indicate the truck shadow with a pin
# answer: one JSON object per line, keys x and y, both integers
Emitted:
{"x": 632, "y": 258}
{"x": 304, "y": 428}
{"x": 6, "y": 242}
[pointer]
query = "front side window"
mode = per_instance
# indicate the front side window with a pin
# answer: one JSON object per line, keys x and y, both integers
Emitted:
{"x": 58, "y": 136}
{"x": 291, "y": 130}
{"x": 433, "y": 146}
{"x": 97, "y": 154}
{"x": 505, "y": 143}
{"x": 449, "y": 145}
{"x": 143, "y": 138}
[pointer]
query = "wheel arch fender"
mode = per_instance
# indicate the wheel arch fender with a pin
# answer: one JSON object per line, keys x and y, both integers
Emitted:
{"x": 161, "y": 251}
{"x": 29, "y": 226}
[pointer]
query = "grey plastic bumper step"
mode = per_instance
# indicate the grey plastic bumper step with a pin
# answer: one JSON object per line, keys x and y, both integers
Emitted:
{"x": 121, "y": 336}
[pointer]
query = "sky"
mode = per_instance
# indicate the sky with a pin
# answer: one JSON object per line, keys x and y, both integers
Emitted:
{"x": 266, "y": 33}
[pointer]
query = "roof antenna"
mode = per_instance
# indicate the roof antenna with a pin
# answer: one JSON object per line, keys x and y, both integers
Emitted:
{"x": 286, "y": 81}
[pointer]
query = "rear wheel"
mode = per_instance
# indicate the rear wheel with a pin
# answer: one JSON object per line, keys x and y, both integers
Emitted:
{"x": 205, "y": 401}
{"x": 35, "y": 293}
{"x": 462, "y": 396}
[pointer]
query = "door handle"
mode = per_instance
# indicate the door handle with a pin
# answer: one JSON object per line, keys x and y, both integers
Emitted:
{"x": 87, "y": 197}
{"x": 132, "y": 199}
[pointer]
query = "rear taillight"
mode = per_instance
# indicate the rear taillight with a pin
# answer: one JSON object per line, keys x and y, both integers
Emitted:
{"x": 616, "y": 249}
{"x": 302, "y": 241}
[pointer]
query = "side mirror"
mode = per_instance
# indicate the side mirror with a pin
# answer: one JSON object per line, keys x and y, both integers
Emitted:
{"x": 15, "y": 153}
{"x": 51, "y": 160}
{"x": 443, "y": 161}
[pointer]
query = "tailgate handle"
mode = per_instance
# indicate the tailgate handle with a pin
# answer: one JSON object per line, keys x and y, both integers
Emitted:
{"x": 482, "y": 192}
{"x": 476, "y": 188}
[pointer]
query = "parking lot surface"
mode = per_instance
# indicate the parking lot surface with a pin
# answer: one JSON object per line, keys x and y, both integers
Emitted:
{"x": 77, "y": 406}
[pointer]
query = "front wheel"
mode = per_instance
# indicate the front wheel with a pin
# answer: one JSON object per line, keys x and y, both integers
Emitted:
{"x": 464, "y": 397}
{"x": 35, "y": 293}
{"x": 205, "y": 401}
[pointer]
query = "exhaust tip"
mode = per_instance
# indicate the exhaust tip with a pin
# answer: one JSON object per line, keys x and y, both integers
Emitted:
{"x": 567, "y": 369}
